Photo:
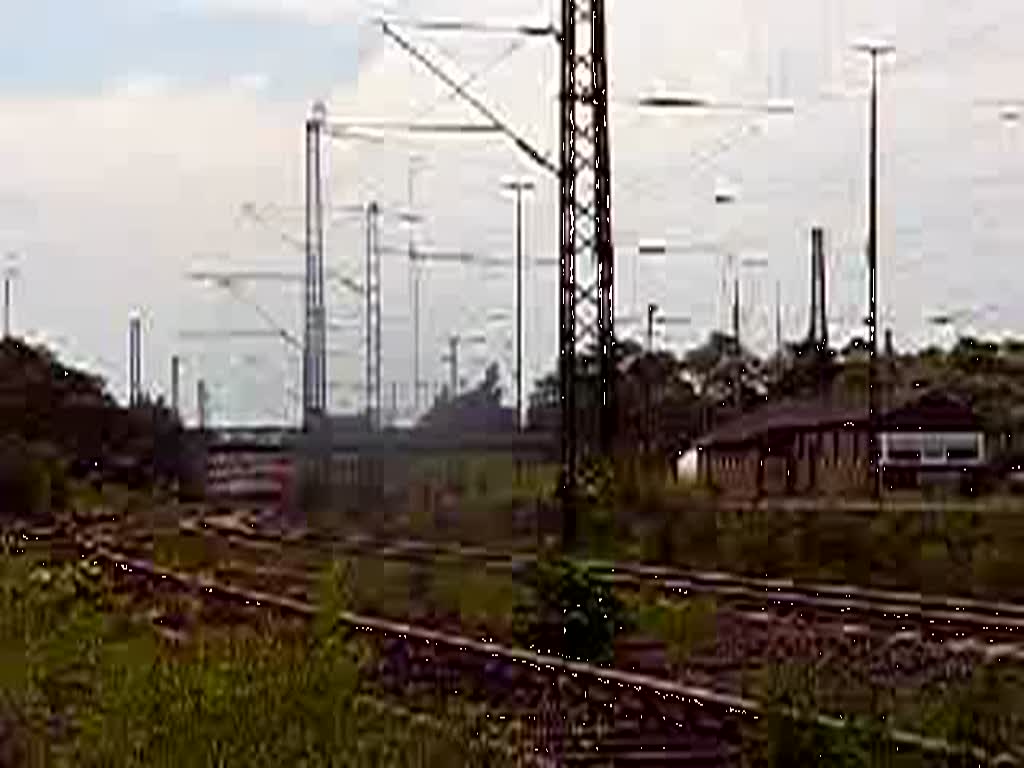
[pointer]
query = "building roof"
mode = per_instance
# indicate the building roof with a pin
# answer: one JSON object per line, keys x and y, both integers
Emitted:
{"x": 932, "y": 410}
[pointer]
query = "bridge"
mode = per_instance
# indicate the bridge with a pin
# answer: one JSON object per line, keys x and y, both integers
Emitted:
{"x": 288, "y": 439}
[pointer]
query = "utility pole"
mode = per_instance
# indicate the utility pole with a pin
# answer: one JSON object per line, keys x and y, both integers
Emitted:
{"x": 202, "y": 403}
{"x": 452, "y": 358}
{"x": 373, "y": 318}
{"x": 586, "y": 306}
{"x": 175, "y": 386}
{"x": 414, "y": 274}
{"x": 737, "y": 381}
{"x": 314, "y": 368}
{"x": 134, "y": 361}
{"x": 652, "y": 310}
{"x": 7, "y": 305}
{"x": 874, "y": 50}
{"x": 518, "y": 187}
{"x": 778, "y": 330}
{"x": 10, "y": 272}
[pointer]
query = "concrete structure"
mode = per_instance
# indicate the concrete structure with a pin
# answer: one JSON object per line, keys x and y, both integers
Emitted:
{"x": 812, "y": 447}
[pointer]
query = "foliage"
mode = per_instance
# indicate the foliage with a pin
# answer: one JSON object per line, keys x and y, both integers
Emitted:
{"x": 33, "y": 480}
{"x": 568, "y": 612}
{"x": 81, "y": 687}
{"x": 67, "y": 414}
{"x": 478, "y": 410}
{"x": 787, "y": 735}
{"x": 685, "y": 626}
{"x": 985, "y": 710}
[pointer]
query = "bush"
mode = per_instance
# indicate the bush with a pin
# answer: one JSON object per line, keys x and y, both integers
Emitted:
{"x": 787, "y": 736}
{"x": 32, "y": 480}
{"x": 568, "y": 612}
{"x": 80, "y": 687}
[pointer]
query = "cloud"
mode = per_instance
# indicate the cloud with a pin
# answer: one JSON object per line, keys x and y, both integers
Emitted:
{"x": 252, "y": 81}
{"x": 131, "y": 184}
{"x": 316, "y": 11}
{"x": 125, "y": 186}
{"x": 140, "y": 85}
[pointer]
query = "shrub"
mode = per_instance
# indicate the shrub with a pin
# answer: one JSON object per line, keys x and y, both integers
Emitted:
{"x": 79, "y": 687}
{"x": 568, "y": 612}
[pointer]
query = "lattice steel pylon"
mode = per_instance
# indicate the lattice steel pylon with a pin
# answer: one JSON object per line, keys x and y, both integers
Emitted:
{"x": 314, "y": 355}
{"x": 586, "y": 287}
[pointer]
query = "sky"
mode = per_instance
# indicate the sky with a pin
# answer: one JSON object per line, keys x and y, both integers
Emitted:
{"x": 134, "y": 130}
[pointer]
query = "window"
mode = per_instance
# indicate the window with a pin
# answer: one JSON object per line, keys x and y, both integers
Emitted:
{"x": 934, "y": 448}
{"x": 901, "y": 448}
{"x": 962, "y": 448}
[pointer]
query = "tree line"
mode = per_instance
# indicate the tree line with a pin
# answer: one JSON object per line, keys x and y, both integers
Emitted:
{"x": 665, "y": 399}
{"x": 59, "y": 424}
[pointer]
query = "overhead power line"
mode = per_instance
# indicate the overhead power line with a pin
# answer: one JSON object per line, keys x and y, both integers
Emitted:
{"x": 500, "y": 124}
{"x": 460, "y": 25}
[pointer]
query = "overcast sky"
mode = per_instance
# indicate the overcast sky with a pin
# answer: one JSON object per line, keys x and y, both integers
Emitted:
{"x": 133, "y": 130}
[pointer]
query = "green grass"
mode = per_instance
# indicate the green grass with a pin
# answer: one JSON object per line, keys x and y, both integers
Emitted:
{"x": 985, "y": 711}
{"x": 83, "y": 686}
{"x": 481, "y": 598}
{"x": 685, "y": 626}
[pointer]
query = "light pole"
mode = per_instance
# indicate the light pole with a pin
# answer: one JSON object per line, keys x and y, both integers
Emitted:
{"x": 452, "y": 359}
{"x": 416, "y": 164}
{"x": 874, "y": 51}
{"x": 373, "y": 318}
{"x": 652, "y": 310}
{"x": 518, "y": 187}
{"x": 10, "y": 273}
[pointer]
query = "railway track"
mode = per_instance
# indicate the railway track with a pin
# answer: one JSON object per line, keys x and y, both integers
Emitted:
{"x": 596, "y": 716}
{"x": 986, "y": 629}
{"x": 589, "y": 715}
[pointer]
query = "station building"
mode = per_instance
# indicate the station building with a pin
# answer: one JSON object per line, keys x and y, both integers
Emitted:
{"x": 813, "y": 447}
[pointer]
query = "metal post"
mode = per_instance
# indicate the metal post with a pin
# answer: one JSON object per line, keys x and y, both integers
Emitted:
{"x": 586, "y": 306}
{"x": 414, "y": 273}
{"x": 7, "y": 305}
{"x": 373, "y": 366}
{"x": 778, "y": 329}
{"x": 368, "y": 287}
{"x": 737, "y": 383}
{"x": 518, "y": 187}
{"x": 202, "y": 398}
{"x": 873, "y": 273}
{"x": 131, "y": 362}
{"x": 134, "y": 361}
{"x": 175, "y": 386}
{"x": 453, "y": 365}
{"x": 377, "y": 317}
{"x": 519, "y": 307}
{"x": 652, "y": 309}
{"x": 314, "y": 378}
{"x": 874, "y": 50}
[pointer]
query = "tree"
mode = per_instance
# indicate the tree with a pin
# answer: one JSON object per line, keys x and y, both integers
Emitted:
{"x": 715, "y": 365}
{"x": 67, "y": 416}
{"x": 478, "y": 410}
{"x": 658, "y": 410}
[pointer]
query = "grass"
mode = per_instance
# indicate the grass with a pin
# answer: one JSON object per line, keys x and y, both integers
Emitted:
{"x": 984, "y": 709}
{"x": 685, "y": 626}
{"x": 480, "y": 598}
{"x": 908, "y": 542}
{"x": 82, "y": 685}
